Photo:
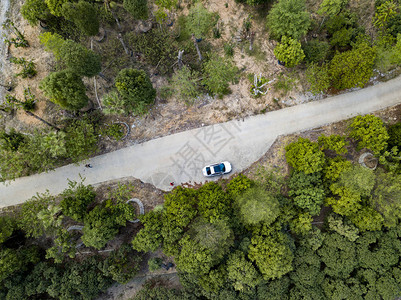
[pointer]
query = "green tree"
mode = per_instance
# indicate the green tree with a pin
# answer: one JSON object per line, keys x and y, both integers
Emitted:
{"x": 84, "y": 16}
{"x": 238, "y": 185}
{"x": 297, "y": 19}
{"x": 186, "y": 84}
{"x": 318, "y": 78}
{"x": 52, "y": 42}
{"x": 307, "y": 191}
{"x": 114, "y": 104}
{"x": 199, "y": 20}
{"x": 257, "y": 206}
{"x": 370, "y": 132}
{"x": 338, "y": 255}
{"x": 241, "y": 272}
{"x": 56, "y": 6}
{"x": 271, "y": 254}
{"x": 332, "y": 8}
{"x": 7, "y": 226}
{"x": 76, "y": 200}
{"x": 358, "y": 179}
{"x": 333, "y": 142}
{"x": 149, "y": 238}
{"x": 12, "y": 140}
{"x": 335, "y": 167}
{"x": 394, "y": 132}
{"x": 367, "y": 218}
{"x": 154, "y": 264}
{"x": 136, "y": 89}
{"x": 386, "y": 197}
{"x": 103, "y": 222}
{"x": 34, "y": 11}
{"x": 79, "y": 59}
{"x": 304, "y": 155}
{"x": 343, "y": 227}
{"x": 27, "y": 216}
{"x": 345, "y": 202}
{"x": 213, "y": 202}
{"x": 122, "y": 265}
{"x": 218, "y": 72}
{"x": 215, "y": 236}
{"x": 66, "y": 89}
{"x": 315, "y": 51}
{"x": 81, "y": 139}
{"x": 289, "y": 51}
{"x": 384, "y": 13}
{"x": 352, "y": 68}
{"x": 137, "y": 8}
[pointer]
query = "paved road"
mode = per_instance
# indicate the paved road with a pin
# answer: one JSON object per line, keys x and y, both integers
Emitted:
{"x": 180, "y": 157}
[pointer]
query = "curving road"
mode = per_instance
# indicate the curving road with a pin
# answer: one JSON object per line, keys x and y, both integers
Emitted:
{"x": 180, "y": 157}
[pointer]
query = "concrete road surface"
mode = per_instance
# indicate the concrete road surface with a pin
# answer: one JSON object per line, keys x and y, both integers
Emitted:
{"x": 180, "y": 157}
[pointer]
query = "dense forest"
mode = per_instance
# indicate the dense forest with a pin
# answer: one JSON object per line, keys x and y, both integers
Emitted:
{"x": 327, "y": 230}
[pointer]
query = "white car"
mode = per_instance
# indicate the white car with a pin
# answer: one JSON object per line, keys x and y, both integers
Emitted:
{"x": 217, "y": 169}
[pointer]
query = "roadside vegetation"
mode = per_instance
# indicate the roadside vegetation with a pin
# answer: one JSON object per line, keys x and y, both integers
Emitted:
{"x": 329, "y": 227}
{"x": 143, "y": 54}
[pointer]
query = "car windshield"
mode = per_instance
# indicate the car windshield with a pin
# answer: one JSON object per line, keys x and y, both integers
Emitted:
{"x": 208, "y": 171}
{"x": 219, "y": 168}
{"x": 216, "y": 169}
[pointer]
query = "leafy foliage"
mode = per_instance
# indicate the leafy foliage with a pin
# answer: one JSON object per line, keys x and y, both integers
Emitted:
{"x": 304, "y": 155}
{"x": 258, "y": 206}
{"x": 370, "y": 132}
{"x": 34, "y": 11}
{"x": 76, "y": 200}
{"x": 332, "y": 7}
{"x": 136, "y": 89}
{"x": 237, "y": 267}
{"x": 307, "y": 191}
{"x": 80, "y": 60}
{"x": 394, "y": 132}
{"x": 185, "y": 84}
{"x": 333, "y": 142}
{"x": 199, "y": 20}
{"x": 84, "y": 16}
{"x": 137, "y": 8}
{"x": 352, "y": 68}
{"x": 315, "y": 51}
{"x": 289, "y": 51}
{"x": 318, "y": 78}
{"x": 218, "y": 72}
{"x": 149, "y": 238}
{"x": 66, "y": 89}
{"x": 297, "y": 19}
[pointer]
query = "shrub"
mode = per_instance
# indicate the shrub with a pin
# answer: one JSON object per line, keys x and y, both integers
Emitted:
{"x": 154, "y": 264}
{"x": 289, "y": 51}
{"x": 370, "y": 132}
{"x": 185, "y": 84}
{"x": 66, "y": 89}
{"x": 218, "y": 73}
{"x": 84, "y": 16}
{"x": 289, "y": 18}
{"x": 304, "y": 155}
{"x": 136, "y": 90}
{"x": 394, "y": 132}
{"x": 315, "y": 51}
{"x": 318, "y": 78}
{"x": 352, "y": 68}
{"x": 137, "y": 8}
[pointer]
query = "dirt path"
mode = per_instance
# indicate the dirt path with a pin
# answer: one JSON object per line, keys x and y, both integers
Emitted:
{"x": 180, "y": 157}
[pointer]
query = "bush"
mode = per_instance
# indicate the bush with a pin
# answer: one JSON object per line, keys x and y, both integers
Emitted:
{"x": 199, "y": 20}
{"x": 289, "y": 18}
{"x": 289, "y": 51}
{"x": 66, "y": 89}
{"x": 84, "y": 16}
{"x": 185, "y": 84}
{"x": 238, "y": 185}
{"x": 136, "y": 90}
{"x": 318, "y": 78}
{"x": 394, "y": 132}
{"x": 305, "y": 156}
{"x": 352, "y": 68}
{"x": 137, "y": 8}
{"x": 218, "y": 73}
{"x": 154, "y": 264}
{"x": 315, "y": 51}
{"x": 370, "y": 132}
